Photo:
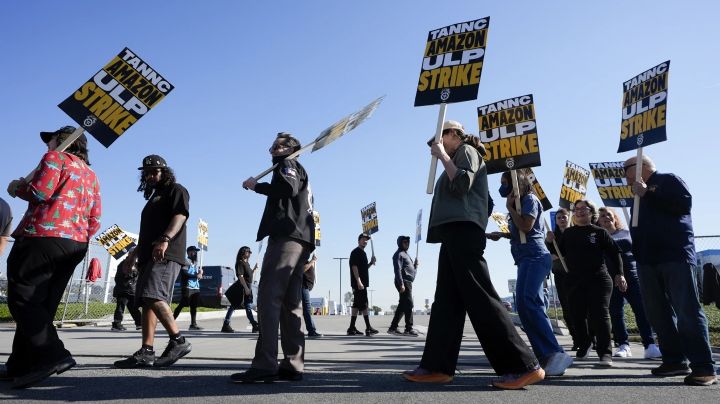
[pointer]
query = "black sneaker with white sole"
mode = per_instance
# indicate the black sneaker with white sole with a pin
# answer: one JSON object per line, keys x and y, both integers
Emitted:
{"x": 140, "y": 359}
{"x": 671, "y": 369}
{"x": 174, "y": 351}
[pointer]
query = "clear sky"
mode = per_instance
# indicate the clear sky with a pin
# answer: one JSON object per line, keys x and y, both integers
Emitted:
{"x": 244, "y": 71}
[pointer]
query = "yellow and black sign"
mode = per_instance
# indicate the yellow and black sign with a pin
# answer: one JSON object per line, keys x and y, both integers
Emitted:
{"x": 574, "y": 186}
{"x": 116, "y": 241}
{"x": 452, "y": 63}
{"x": 539, "y": 191}
{"x": 509, "y": 132}
{"x": 121, "y": 93}
{"x": 644, "y": 108}
{"x": 612, "y": 184}
{"x": 369, "y": 219}
{"x": 316, "y": 219}
{"x": 202, "y": 235}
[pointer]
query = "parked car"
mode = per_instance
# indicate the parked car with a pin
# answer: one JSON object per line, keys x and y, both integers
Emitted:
{"x": 216, "y": 279}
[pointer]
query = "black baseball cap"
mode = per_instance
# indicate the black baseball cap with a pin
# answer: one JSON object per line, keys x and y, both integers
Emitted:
{"x": 192, "y": 248}
{"x": 153, "y": 161}
{"x": 363, "y": 235}
{"x": 47, "y": 136}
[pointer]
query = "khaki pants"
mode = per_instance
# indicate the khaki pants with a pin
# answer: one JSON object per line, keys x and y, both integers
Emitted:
{"x": 280, "y": 304}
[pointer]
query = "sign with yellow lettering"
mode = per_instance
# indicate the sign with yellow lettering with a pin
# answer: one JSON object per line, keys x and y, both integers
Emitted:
{"x": 452, "y": 63}
{"x": 122, "y": 92}
{"x": 116, "y": 241}
{"x": 612, "y": 184}
{"x": 574, "y": 186}
{"x": 369, "y": 219}
{"x": 644, "y": 109}
{"x": 539, "y": 192}
{"x": 316, "y": 219}
{"x": 202, "y": 235}
{"x": 509, "y": 133}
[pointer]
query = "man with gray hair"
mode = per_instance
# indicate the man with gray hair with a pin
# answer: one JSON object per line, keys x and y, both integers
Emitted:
{"x": 663, "y": 245}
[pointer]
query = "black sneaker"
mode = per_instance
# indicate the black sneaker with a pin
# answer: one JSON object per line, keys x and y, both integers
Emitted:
{"x": 700, "y": 380}
{"x": 314, "y": 334}
{"x": 410, "y": 333}
{"x": 173, "y": 352}
{"x": 255, "y": 328}
{"x": 253, "y": 375}
{"x": 353, "y": 331}
{"x": 226, "y": 328}
{"x": 671, "y": 369}
{"x": 195, "y": 327}
{"x": 370, "y": 331}
{"x": 582, "y": 352}
{"x": 138, "y": 327}
{"x": 289, "y": 375}
{"x": 394, "y": 331}
{"x": 117, "y": 327}
{"x": 139, "y": 359}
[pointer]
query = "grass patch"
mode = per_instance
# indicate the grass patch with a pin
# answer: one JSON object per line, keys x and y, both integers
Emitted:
{"x": 711, "y": 312}
{"x": 76, "y": 311}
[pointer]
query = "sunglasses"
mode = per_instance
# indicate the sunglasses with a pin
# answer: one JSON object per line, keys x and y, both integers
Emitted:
{"x": 276, "y": 147}
{"x": 629, "y": 166}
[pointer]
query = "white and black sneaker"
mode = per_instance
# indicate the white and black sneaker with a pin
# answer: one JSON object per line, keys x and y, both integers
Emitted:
{"x": 140, "y": 359}
{"x": 174, "y": 351}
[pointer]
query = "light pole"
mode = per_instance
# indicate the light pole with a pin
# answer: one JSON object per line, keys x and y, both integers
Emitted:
{"x": 341, "y": 260}
{"x": 371, "y": 293}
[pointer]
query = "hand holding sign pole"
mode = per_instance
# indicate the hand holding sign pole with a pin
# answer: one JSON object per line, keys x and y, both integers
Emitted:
{"x": 518, "y": 204}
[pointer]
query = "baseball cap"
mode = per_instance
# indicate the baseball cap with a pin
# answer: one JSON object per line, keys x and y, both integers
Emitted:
{"x": 153, "y": 161}
{"x": 192, "y": 248}
{"x": 47, "y": 136}
{"x": 363, "y": 235}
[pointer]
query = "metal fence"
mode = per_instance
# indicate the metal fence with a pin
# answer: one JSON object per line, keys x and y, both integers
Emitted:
{"x": 82, "y": 301}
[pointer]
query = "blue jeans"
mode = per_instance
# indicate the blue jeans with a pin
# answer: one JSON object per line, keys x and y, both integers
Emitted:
{"x": 674, "y": 311}
{"x": 309, "y": 325}
{"x": 532, "y": 271}
{"x": 248, "y": 312}
{"x": 617, "y": 312}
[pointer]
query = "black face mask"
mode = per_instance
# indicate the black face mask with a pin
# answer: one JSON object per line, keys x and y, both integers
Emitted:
{"x": 505, "y": 190}
{"x": 277, "y": 159}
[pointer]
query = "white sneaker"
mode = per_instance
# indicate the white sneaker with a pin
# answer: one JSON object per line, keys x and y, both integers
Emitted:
{"x": 653, "y": 352}
{"x": 624, "y": 351}
{"x": 557, "y": 363}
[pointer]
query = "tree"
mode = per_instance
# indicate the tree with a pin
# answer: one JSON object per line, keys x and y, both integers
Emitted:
{"x": 348, "y": 298}
{"x": 393, "y": 308}
{"x": 377, "y": 310}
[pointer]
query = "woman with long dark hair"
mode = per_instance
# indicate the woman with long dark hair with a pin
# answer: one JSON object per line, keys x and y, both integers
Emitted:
{"x": 458, "y": 219}
{"x": 244, "y": 275}
{"x": 533, "y": 267}
{"x": 63, "y": 212}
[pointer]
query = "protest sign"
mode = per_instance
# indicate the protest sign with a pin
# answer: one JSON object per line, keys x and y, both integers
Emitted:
{"x": 501, "y": 221}
{"x": 612, "y": 184}
{"x": 452, "y": 63}
{"x": 116, "y": 241}
{"x": 316, "y": 219}
{"x": 574, "y": 186}
{"x": 369, "y": 219}
{"x": 539, "y": 192}
{"x": 418, "y": 227}
{"x": 202, "y": 235}
{"x": 332, "y": 133}
{"x": 644, "y": 108}
{"x": 509, "y": 132}
{"x": 116, "y": 97}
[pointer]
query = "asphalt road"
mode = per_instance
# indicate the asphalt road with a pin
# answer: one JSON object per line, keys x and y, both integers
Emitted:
{"x": 338, "y": 369}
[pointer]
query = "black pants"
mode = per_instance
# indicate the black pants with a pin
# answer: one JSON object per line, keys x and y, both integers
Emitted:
{"x": 464, "y": 286}
{"x": 563, "y": 291}
{"x": 192, "y": 300}
{"x": 590, "y": 299}
{"x": 39, "y": 269}
{"x": 128, "y": 301}
{"x": 405, "y": 307}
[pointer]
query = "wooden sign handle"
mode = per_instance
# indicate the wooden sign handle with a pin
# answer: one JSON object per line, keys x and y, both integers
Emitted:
{"x": 434, "y": 160}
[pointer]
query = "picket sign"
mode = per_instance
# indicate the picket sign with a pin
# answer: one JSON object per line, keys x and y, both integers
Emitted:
{"x": 518, "y": 205}
{"x": 638, "y": 176}
{"x": 434, "y": 160}
{"x": 557, "y": 249}
{"x": 61, "y": 148}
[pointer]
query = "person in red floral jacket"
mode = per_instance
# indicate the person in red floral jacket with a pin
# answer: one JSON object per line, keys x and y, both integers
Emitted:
{"x": 63, "y": 196}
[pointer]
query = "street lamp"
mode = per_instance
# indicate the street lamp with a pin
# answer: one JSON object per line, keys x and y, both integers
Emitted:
{"x": 341, "y": 260}
{"x": 371, "y": 293}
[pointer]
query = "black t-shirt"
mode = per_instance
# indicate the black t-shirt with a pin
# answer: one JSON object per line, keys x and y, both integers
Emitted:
{"x": 359, "y": 259}
{"x": 242, "y": 268}
{"x": 309, "y": 278}
{"x": 155, "y": 219}
{"x": 584, "y": 249}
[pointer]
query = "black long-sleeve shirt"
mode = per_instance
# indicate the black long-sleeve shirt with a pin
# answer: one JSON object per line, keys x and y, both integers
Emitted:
{"x": 585, "y": 248}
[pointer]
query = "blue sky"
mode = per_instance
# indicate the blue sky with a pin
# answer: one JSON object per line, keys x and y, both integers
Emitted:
{"x": 244, "y": 71}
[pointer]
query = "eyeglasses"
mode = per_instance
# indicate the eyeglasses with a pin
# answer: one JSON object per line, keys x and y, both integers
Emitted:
{"x": 582, "y": 209}
{"x": 277, "y": 146}
{"x": 562, "y": 217}
{"x": 627, "y": 167}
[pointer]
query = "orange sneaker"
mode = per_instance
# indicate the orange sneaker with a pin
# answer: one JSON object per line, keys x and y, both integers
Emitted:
{"x": 518, "y": 381}
{"x": 420, "y": 375}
